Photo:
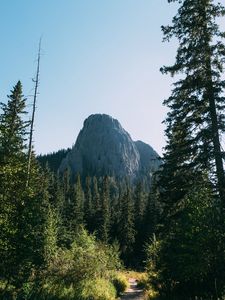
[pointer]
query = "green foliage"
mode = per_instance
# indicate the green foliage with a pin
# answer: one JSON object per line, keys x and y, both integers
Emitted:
{"x": 88, "y": 206}
{"x": 103, "y": 213}
{"x": 120, "y": 282}
{"x": 81, "y": 271}
{"x": 15, "y": 200}
{"x": 53, "y": 160}
{"x": 77, "y": 204}
{"x": 25, "y": 228}
{"x": 98, "y": 289}
{"x": 196, "y": 117}
{"x": 126, "y": 226}
{"x": 187, "y": 259}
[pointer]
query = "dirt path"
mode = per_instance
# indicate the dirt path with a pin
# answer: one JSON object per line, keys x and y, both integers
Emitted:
{"x": 133, "y": 292}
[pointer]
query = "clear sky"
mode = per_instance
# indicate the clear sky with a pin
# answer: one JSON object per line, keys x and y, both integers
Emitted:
{"x": 98, "y": 56}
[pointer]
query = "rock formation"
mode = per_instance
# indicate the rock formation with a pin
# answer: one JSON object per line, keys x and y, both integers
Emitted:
{"x": 103, "y": 147}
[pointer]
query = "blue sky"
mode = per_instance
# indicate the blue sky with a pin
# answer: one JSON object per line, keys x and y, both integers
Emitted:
{"x": 98, "y": 56}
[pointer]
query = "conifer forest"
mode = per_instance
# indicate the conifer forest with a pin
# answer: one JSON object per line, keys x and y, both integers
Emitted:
{"x": 67, "y": 236}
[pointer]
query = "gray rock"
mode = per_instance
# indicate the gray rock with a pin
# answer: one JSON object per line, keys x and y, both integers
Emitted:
{"x": 103, "y": 147}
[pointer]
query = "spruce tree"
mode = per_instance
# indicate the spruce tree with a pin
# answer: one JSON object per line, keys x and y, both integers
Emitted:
{"x": 196, "y": 118}
{"x": 104, "y": 215}
{"x": 13, "y": 129}
{"x": 126, "y": 226}
{"x": 139, "y": 203}
{"x": 96, "y": 204}
{"x": 139, "y": 214}
{"x": 189, "y": 259}
{"x": 22, "y": 213}
{"x": 76, "y": 207}
{"x": 191, "y": 180}
{"x": 88, "y": 205}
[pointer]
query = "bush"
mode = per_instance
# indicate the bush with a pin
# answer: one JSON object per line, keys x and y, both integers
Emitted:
{"x": 98, "y": 289}
{"x": 142, "y": 281}
{"x": 151, "y": 295}
{"x": 81, "y": 272}
{"x": 120, "y": 283}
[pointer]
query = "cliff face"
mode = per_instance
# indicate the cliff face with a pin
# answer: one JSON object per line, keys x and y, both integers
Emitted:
{"x": 103, "y": 147}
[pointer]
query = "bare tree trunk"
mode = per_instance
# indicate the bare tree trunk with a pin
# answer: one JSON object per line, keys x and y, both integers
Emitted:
{"x": 36, "y": 81}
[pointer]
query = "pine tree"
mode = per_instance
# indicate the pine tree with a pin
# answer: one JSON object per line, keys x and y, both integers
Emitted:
{"x": 96, "y": 204}
{"x": 13, "y": 131}
{"x": 13, "y": 134}
{"x": 104, "y": 215}
{"x": 139, "y": 214}
{"x": 139, "y": 204}
{"x": 22, "y": 213}
{"x": 196, "y": 121}
{"x": 193, "y": 158}
{"x": 88, "y": 205}
{"x": 189, "y": 260}
{"x": 126, "y": 234}
{"x": 75, "y": 213}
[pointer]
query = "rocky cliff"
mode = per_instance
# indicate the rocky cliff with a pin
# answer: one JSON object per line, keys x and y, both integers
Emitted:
{"x": 103, "y": 147}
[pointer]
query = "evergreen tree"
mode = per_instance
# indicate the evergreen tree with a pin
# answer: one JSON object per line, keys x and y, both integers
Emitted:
{"x": 76, "y": 207}
{"x": 13, "y": 134}
{"x": 152, "y": 215}
{"x": 96, "y": 204}
{"x": 12, "y": 176}
{"x": 191, "y": 179}
{"x": 104, "y": 215}
{"x": 189, "y": 259}
{"x": 139, "y": 214}
{"x": 88, "y": 205}
{"x": 126, "y": 235}
{"x": 196, "y": 117}
{"x": 139, "y": 204}
{"x": 22, "y": 213}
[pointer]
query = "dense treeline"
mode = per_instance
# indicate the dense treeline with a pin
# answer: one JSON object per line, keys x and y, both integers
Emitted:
{"x": 60, "y": 237}
{"x": 53, "y": 160}
{"x": 187, "y": 253}
{"x": 64, "y": 238}
{"x": 112, "y": 211}
{"x": 45, "y": 250}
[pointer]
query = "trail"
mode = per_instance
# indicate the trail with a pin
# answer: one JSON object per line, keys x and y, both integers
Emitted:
{"x": 133, "y": 292}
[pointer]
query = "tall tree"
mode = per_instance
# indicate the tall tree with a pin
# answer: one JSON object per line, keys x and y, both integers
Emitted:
{"x": 13, "y": 130}
{"x": 126, "y": 234}
{"x": 104, "y": 215}
{"x": 22, "y": 209}
{"x": 197, "y": 103}
{"x": 88, "y": 205}
{"x": 76, "y": 213}
{"x": 139, "y": 214}
{"x": 96, "y": 203}
{"x": 193, "y": 158}
{"x": 189, "y": 261}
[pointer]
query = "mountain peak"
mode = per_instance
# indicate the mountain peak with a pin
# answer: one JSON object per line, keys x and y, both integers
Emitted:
{"x": 99, "y": 120}
{"x": 103, "y": 147}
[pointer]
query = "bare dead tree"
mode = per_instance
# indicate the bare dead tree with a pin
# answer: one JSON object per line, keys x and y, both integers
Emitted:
{"x": 36, "y": 82}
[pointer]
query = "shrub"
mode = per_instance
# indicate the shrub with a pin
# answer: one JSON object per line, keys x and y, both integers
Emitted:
{"x": 151, "y": 295}
{"x": 81, "y": 272}
{"x": 142, "y": 281}
{"x": 97, "y": 289}
{"x": 120, "y": 282}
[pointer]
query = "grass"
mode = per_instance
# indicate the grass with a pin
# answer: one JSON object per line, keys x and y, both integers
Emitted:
{"x": 120, "y": 282}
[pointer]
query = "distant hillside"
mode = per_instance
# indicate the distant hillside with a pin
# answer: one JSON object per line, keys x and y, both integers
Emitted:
{"x": 53, "y": 159}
